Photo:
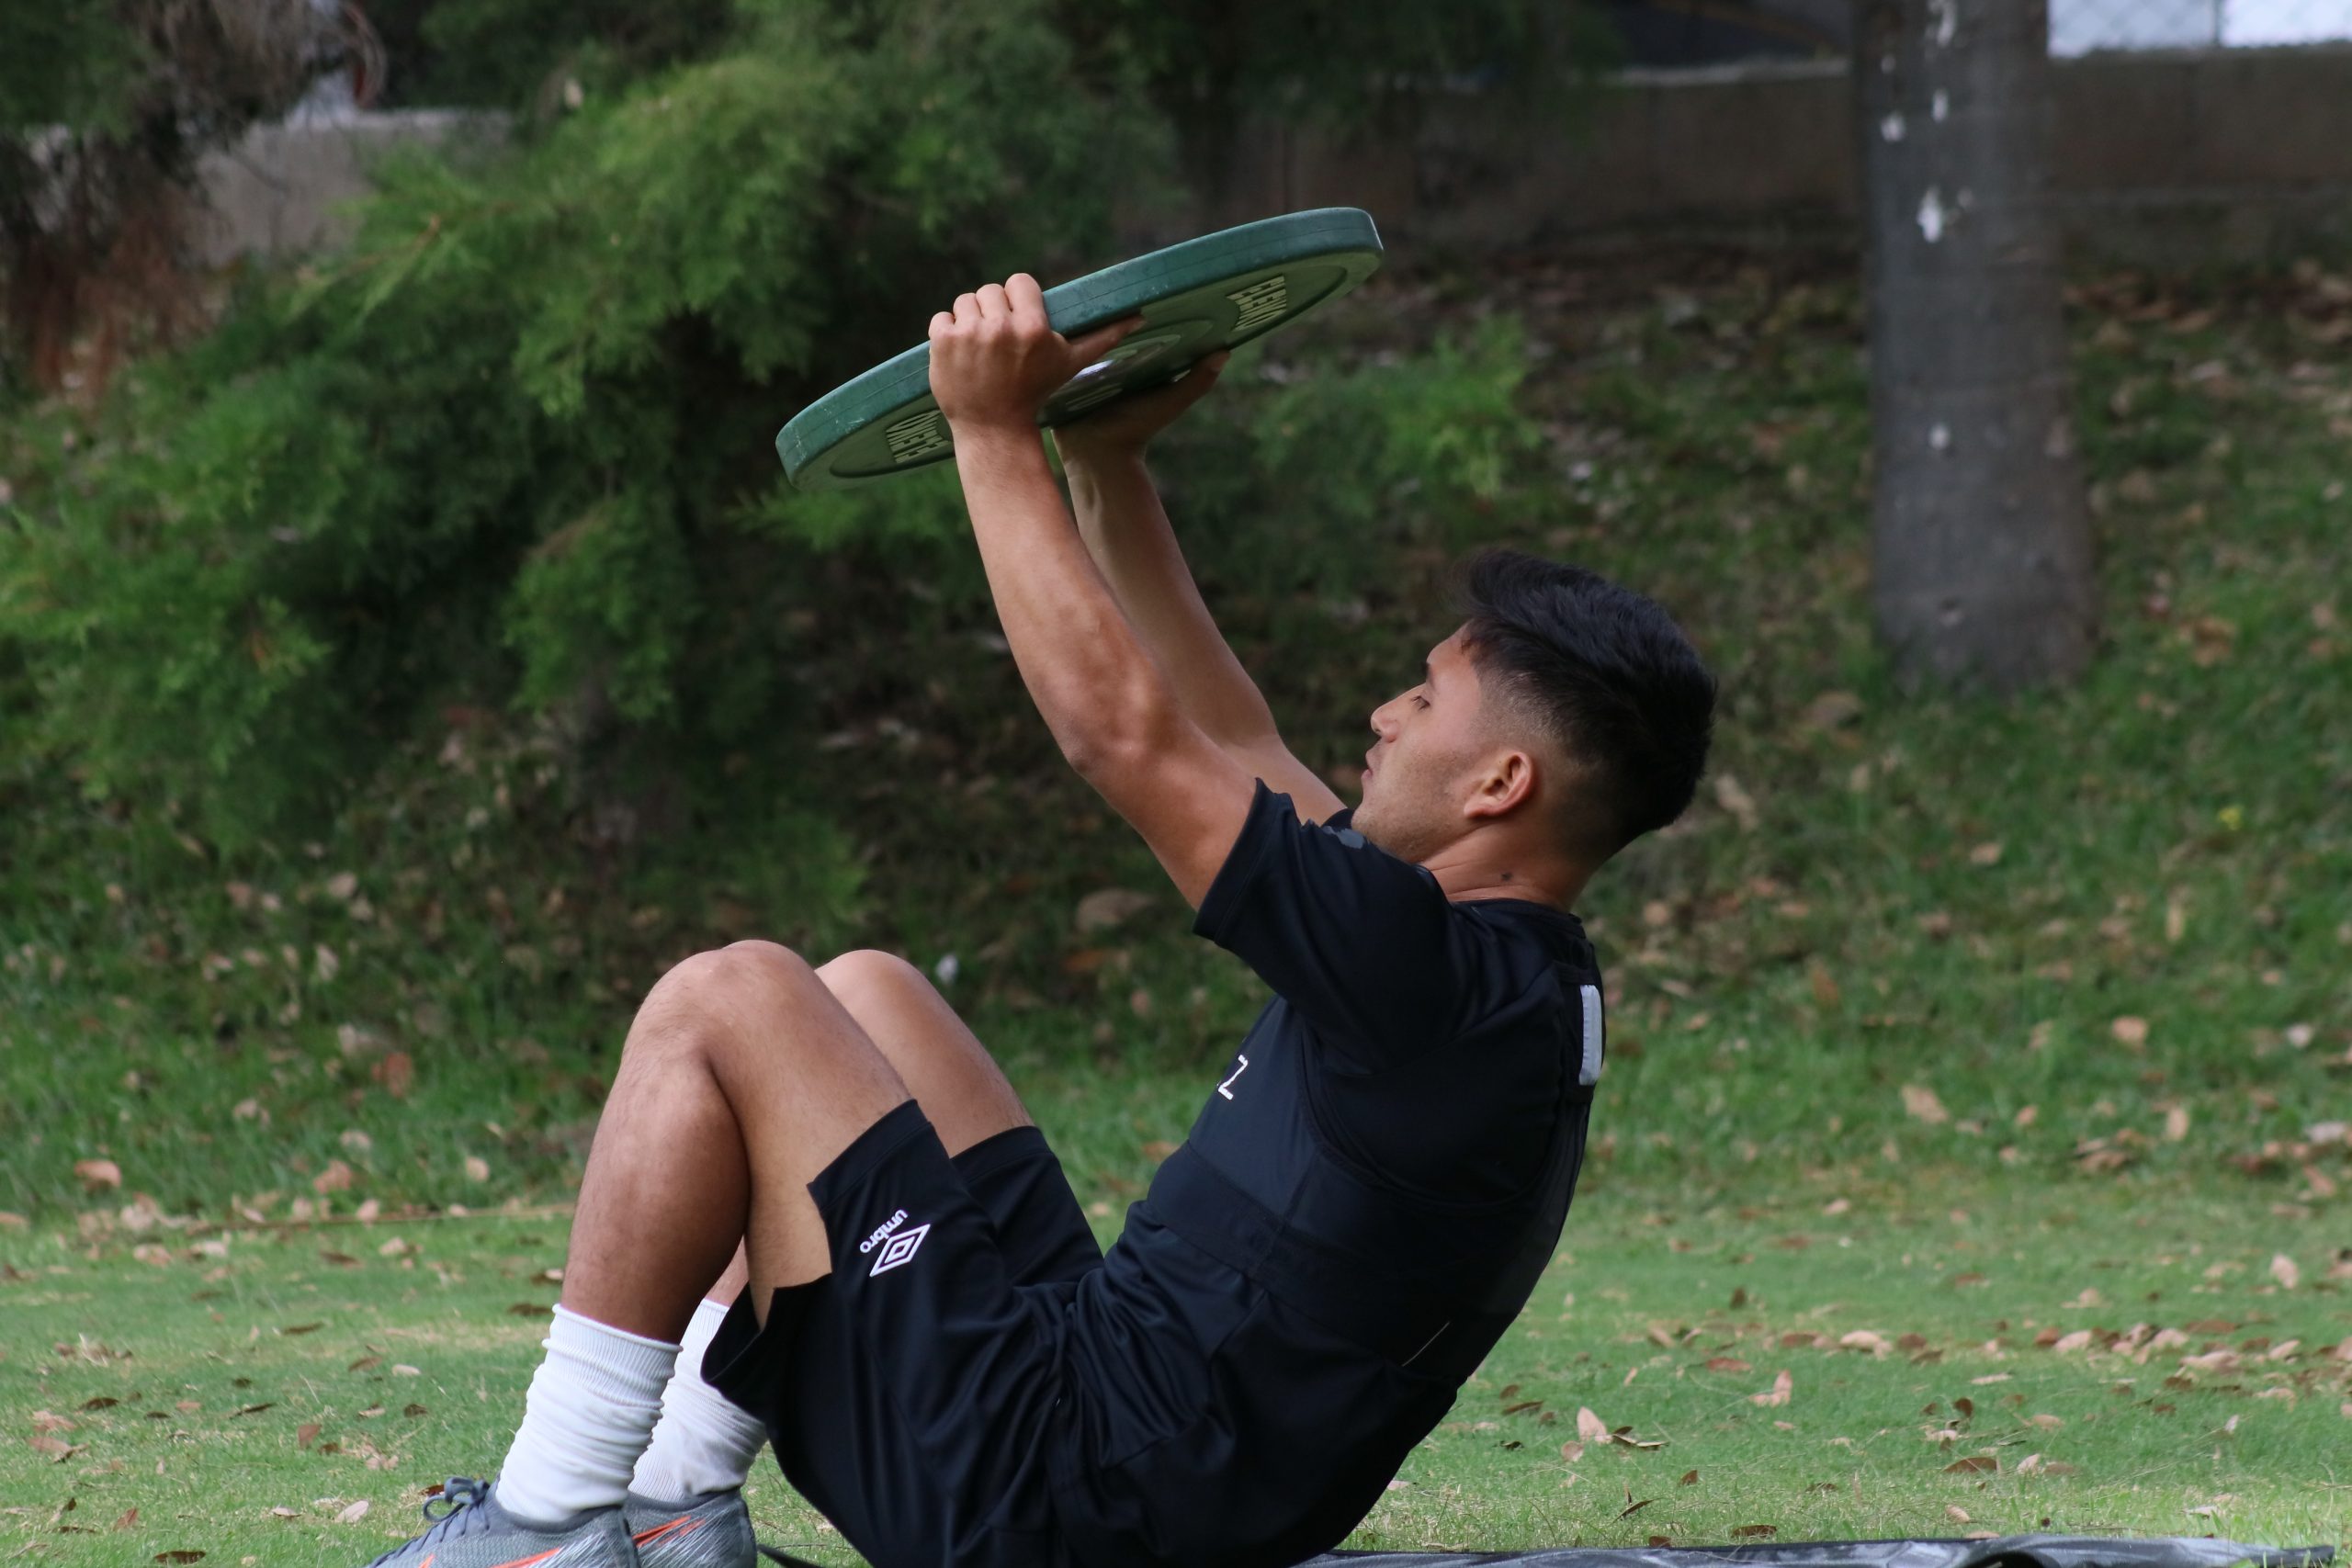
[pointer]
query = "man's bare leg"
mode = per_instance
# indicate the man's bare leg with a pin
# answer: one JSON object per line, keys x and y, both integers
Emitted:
{"x": 706, "y": 1445}
{"x": 964, "y": 1094}
{"x": 742, "y": 1078}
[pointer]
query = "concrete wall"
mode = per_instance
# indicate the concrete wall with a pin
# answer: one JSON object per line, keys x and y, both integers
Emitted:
{"x": 283, "y": 188}
{"x": 2177, "y": 157}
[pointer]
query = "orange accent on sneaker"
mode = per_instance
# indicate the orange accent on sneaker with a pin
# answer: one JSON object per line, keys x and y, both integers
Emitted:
{"x": 526, "y": 1561}
{"x": 681, "y": 1525}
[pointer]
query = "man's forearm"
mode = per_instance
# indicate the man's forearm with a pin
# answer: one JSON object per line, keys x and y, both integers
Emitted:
{"x": 1093, "y": 679}
{"x": 1126, "y": 532}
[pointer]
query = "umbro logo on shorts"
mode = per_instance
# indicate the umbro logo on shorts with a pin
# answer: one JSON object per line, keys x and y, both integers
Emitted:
{"x": 900, "y": 1248}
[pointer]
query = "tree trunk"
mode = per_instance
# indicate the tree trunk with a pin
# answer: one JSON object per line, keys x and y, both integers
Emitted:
{"x": 1981, "y": 544}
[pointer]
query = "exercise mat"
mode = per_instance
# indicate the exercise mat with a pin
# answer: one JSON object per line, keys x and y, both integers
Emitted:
{"x": 2001, "y": 1551}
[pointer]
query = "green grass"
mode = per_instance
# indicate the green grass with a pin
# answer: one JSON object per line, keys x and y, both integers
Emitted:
{"x": 264, "y": 1381}
{"x": 1896, "y": 955}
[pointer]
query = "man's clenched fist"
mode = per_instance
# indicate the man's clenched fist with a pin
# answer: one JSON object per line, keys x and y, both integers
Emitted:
{"x": 995, "y": 359}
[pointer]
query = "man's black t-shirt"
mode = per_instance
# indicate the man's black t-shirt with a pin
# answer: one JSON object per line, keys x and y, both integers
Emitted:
{"x": 1398, "y": 1114}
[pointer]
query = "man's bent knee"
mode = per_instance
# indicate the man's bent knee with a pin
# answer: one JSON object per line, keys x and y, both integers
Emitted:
{"x": 744, "y": 985}
{"x": 869, "y": 972}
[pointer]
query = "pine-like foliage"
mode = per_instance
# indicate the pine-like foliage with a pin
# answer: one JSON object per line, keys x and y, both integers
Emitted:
{"x": 463, "y": 553}
{"x": 504, "y": 450}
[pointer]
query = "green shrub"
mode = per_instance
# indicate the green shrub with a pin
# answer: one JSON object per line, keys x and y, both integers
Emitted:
{"x": 492, "y": 454}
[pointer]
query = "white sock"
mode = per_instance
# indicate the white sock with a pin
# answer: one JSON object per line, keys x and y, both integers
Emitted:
{"x": 706, "y": 1441}
{"x": 592, "y": 1405}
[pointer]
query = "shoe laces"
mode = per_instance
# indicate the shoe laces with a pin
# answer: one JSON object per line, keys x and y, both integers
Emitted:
{"x": 455, "y": 1512}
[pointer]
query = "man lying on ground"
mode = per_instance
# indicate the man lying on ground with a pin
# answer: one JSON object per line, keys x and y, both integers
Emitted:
{"x": 915, "y": 1312}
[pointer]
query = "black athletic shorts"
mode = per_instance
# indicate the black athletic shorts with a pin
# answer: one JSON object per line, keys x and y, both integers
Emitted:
{"x": 911, "y": 1395}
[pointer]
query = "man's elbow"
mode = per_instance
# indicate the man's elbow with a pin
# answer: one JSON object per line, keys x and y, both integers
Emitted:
{"x": 1122, "y": 735}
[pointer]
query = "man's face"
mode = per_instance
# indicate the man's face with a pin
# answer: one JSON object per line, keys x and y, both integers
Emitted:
{"x": 1418, "y": 776}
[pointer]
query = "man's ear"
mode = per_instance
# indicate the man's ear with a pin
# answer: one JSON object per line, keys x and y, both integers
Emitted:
{"x": 1507, "y": 783}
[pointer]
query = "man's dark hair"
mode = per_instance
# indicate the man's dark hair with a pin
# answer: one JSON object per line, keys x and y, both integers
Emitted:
{"x": 1604, "y": 673}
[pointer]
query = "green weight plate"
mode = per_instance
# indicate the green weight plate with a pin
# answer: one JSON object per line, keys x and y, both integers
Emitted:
{"x": 1196, "y": 299}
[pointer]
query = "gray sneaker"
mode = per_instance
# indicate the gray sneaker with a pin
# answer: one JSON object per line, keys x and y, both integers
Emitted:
{"x": 713, "y": 1531}
{"x": 470, "y": 1530}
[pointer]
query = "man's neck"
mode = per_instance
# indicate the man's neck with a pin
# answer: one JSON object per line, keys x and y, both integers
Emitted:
{"x": 1534, "y": 881}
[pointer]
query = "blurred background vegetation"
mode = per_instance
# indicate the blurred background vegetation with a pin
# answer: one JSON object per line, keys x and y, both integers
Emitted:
{"x": 405, "y": 662}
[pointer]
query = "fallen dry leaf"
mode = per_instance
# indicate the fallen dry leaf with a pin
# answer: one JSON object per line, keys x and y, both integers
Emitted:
{"x": 2130, "y": 1031}
{"x": 2283, "y": 1269}
{"x": 1110, "y": 907}
{"x": 1922, "y": 1103}
{"x": 1975, "y": 1464}
{"x": 1735, "y": 800}
{"x": 1782, "y": 1386}
{"x": 1753, "y": 1532}
{"x": 353, "y": 1514}
{"x": 97, "y": 1175}
{"x": 1591, "y": 1428}
{"x": 397, "y": 1073}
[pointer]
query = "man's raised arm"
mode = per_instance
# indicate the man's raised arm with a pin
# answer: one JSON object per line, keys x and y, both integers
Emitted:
{"x": 1112, "y": 709}
{"x": 1128, "y": 533}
